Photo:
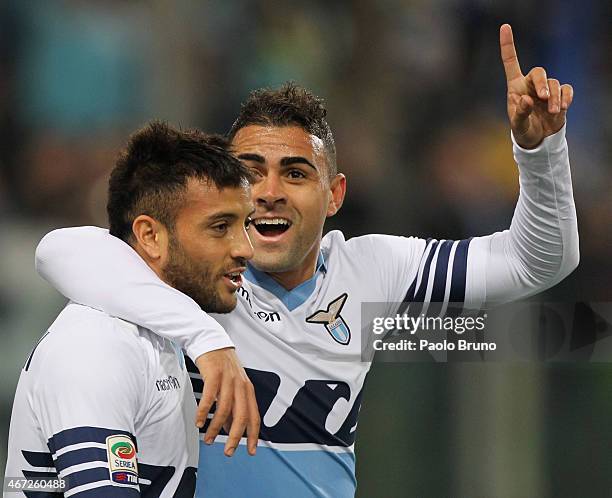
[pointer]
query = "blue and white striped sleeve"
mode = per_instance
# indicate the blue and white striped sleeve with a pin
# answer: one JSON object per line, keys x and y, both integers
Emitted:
{"x": 420, "y": 276}
{"x": 439, "y": 286}
{"x": 96, "y": 462}
{"x": 538, "y": 250}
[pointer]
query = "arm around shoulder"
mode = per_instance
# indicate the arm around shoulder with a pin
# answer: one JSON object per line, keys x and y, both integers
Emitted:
{"x": 91, "y": 267}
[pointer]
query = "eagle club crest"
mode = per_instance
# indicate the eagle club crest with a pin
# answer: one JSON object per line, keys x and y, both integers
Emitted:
{"x": 334, "y": 323}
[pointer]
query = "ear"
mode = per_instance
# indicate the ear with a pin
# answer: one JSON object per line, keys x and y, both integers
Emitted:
{"x": 338, "y": 191}
{"x": 151, "y": 240}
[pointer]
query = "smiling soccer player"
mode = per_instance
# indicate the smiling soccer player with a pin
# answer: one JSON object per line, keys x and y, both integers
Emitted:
{"x": 305, "y": 363}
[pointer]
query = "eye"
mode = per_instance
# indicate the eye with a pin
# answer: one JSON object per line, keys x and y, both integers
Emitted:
{"x": 296, "y": 174}
{"x": 220, "y": 227}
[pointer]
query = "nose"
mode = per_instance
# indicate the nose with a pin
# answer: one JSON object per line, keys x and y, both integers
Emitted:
{"x": 242, "y": 249}
{"x": 269, "y": 191}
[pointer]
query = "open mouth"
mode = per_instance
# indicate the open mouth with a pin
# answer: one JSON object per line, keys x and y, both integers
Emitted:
{"x": 270, "y": 227}
{"x": 234, "y": 278}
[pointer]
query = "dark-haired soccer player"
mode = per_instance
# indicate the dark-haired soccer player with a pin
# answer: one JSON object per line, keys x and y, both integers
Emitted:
{"x": 298, "y": 323}
{"x": 103, "y": 404}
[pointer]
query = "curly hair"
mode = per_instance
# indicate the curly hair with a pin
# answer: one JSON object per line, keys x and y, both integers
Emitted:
{"x": 291, "y": 104}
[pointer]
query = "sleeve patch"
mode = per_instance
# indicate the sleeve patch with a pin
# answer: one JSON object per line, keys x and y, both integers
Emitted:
{"x": 121, "y": 454}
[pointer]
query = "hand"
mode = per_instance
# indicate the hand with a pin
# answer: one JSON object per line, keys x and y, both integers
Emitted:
{"x": 537, "y": 105}
{"x": 226, "y": 382}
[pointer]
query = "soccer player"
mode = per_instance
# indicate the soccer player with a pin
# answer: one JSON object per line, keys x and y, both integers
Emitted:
{"x": 106, "y": 405}
{"x": 298, "y": 323}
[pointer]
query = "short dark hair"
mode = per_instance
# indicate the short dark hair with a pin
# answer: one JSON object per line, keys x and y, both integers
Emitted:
{"x": 152, "y": 172}
{"x": 291, "y": 104}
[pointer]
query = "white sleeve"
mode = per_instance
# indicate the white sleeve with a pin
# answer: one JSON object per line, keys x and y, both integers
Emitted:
{"x": 541, "y": 247}
{"x": 538, "y": 251}
{"x": 91, "y": 267}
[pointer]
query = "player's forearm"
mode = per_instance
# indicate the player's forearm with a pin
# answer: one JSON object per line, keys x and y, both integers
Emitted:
{"x": 541, "y": 246}
{"x": 91, "y": 267}
{"x": 544, "y": 233}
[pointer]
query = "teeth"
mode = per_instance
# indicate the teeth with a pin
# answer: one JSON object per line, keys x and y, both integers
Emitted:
{"x": 271, "y": 221}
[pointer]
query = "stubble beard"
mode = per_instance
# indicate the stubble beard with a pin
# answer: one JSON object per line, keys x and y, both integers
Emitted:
{"x": 194, "y": 278}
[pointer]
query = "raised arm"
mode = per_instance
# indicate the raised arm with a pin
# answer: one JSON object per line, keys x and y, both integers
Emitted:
{"x": 541, "y": 247}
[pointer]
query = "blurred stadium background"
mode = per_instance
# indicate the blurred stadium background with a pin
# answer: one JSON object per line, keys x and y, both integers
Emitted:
{"x": 416, "y": 96}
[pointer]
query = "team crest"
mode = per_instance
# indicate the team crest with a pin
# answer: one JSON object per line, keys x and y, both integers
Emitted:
{"x": 334, "y": 323}
{"x": 121, "y": 454}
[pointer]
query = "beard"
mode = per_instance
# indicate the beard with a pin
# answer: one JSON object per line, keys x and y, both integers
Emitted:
{"x": 194, "y": 278}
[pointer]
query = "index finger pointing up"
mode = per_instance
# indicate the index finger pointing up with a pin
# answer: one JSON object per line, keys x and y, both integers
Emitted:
{"x": 508, "y": 53}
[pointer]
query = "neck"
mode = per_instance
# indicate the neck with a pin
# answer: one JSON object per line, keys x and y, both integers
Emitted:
{"x": 153, "y": 264}
{"x": 292, "y": 278}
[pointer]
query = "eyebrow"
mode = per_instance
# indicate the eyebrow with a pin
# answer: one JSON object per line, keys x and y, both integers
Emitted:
{"x": 221, "y": 216}
{"x": 285, "y": 161}
{"x": 252, "y": 157}
{"x": 225, "y": 216}
{"x": 288, "y": 161}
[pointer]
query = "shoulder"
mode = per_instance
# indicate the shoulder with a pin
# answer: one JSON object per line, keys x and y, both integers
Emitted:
{"x": 90, "y": 371}
{"x": 371, "y": 247}
{"x": 83, "y": 340}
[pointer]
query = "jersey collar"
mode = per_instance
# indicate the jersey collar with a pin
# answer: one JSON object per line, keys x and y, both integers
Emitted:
{"x": 290, "y": 298}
